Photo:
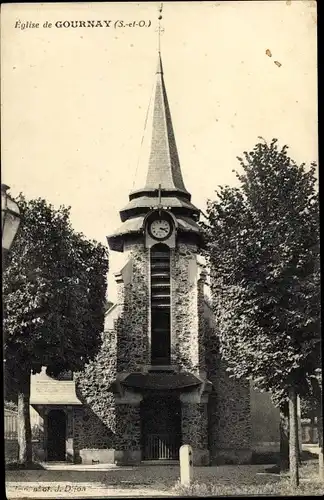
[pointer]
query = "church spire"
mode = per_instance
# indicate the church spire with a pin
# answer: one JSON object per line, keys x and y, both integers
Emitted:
{"x": 164, "y": 165}
{"x": 164, "y": 186}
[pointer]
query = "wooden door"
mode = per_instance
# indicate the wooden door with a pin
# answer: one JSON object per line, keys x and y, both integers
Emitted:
{"x": 56, "y": 436}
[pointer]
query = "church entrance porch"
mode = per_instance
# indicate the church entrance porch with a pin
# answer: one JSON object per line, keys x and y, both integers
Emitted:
{"x": 161, "y": 428}
{"x": 157, "y": 412}
{"x": 56, "y": 436}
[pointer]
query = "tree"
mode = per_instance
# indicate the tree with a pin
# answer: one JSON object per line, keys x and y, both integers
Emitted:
{"x": 263, "y": 250}
{"x": 54, "y": 289}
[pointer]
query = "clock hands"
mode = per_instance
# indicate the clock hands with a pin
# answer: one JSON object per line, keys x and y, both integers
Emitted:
{"x": 160, "y": 228}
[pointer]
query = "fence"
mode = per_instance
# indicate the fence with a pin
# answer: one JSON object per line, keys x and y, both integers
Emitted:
{"x": 161, "y": 447}
{"x": 10, "y": 424}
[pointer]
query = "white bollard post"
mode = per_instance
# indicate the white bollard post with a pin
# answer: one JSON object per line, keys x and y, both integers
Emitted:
{"x": 186, "y": 464}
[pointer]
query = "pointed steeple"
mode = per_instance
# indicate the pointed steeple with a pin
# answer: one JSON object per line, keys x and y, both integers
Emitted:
{"x": 164, "y": 166}
{"x": 163, "y": 171}
{"x": 164, "y": 184}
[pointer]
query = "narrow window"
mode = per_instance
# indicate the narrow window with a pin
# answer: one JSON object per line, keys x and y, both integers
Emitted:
{"x": 160, "y": 305}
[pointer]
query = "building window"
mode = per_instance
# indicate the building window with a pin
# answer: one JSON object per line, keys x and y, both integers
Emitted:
{"x": 160, "y": 305}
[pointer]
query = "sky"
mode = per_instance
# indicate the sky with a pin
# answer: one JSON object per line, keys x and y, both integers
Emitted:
{"x": 74, "y": 100}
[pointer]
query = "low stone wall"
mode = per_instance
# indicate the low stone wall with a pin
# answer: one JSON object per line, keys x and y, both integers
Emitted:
{"x": 93, "y": 456}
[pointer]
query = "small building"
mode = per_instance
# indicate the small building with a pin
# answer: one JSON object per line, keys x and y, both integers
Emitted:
{"x": 158, "y": 381}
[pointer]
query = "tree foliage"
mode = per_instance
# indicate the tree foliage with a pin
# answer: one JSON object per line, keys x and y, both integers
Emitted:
{"x": 263, "y": 251}
{"x": 54, "y": 287}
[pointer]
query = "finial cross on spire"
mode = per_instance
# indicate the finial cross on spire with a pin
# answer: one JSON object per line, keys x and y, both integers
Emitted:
{"x": 160, "y": 28}
{"x": 160, "y": 201}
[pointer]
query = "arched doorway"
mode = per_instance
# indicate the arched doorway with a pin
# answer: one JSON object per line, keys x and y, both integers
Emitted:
{"x": 161, "y": 428}
{"x": 56, "y": 436}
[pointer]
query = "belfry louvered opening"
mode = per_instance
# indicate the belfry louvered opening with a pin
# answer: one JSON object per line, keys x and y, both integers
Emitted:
{"x": 160, "y": 305}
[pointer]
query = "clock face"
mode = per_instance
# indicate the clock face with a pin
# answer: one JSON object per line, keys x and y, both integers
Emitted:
{"x": 160, "y": 229}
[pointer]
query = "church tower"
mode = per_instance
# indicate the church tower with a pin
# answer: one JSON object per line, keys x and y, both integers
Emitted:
{"x": 160, "y": 335}
{"x": 158, "y": 380}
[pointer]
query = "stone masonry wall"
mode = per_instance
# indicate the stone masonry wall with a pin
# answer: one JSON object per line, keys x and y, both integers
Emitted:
{"x": 229, "y": 418}
{"x": 194, "y": 424}
{"x": 229, "y": 407}
{"x": 184, "y": 312}
{"x": 202, "y": 323}
{"x": 132, "y": 327}
{"x": 128, "y": 428}
{"x": 95, "y": 421}
{"x": 90, "y": 431}
{"x": 103, "y": 423}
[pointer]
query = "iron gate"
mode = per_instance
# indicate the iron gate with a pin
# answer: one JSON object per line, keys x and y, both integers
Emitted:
{"x": 161, "y": 447}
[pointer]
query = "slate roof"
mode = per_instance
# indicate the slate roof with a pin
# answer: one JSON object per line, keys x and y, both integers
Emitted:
{"x": 135, "y": 225}
{"x": 161, "y": 381}
{"x": 164, "y": 166}
{"x": 148, "y": 201}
